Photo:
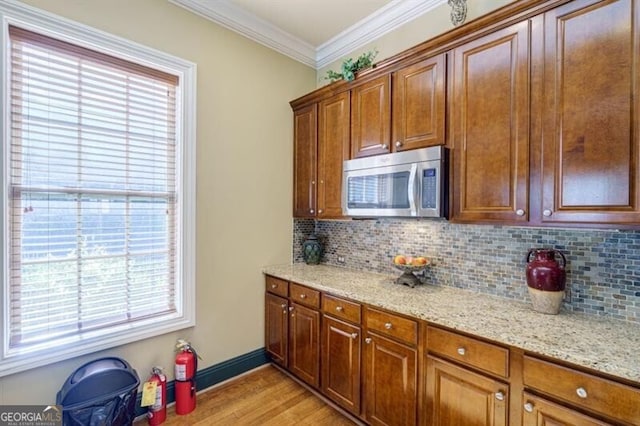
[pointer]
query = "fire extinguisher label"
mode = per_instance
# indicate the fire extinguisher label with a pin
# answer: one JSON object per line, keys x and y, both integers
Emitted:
{"x": 158, "y": 402}
{"x": 149, "y": 393}
{"x": 181, "y": 372}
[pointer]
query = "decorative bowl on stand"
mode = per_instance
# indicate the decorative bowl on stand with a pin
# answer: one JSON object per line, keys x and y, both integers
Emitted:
{"x": 408, "y": 277}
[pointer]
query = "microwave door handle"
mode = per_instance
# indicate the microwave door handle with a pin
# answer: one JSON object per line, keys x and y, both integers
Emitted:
{"x": 412, "y": 189}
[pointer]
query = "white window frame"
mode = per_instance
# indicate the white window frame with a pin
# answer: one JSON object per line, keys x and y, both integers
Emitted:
{"x": 36, "y": 20}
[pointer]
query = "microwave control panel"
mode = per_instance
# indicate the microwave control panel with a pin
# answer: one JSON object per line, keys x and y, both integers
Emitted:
{"x": 429, "y": 188}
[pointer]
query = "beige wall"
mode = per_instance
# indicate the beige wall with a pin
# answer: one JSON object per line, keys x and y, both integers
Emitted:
{"x": 425, "y": 27}
{"x": 244, "y": 181}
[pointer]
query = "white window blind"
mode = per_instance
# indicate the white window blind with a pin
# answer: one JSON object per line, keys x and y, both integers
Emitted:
{"x": 92, "y": 191}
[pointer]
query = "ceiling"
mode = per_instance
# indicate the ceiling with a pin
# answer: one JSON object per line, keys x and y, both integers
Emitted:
{"x": 314, "y": 32}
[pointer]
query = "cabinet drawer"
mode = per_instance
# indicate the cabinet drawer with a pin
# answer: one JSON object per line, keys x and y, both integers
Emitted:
{"x": 584, "y": 390}
{"x": 466, "y": 350}
{"x": 277, "y": 286}
{"x": 304, "y": 295}
{"x": 392, "y": 325}
{"x": 341, "y": 308}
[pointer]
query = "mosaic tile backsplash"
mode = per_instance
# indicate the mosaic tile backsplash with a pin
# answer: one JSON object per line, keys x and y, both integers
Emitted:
{"x": 603, "y": 266}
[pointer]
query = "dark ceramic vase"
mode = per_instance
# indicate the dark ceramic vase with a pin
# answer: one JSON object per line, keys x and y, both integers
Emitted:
{"x": 544, "y": 272}
{"x": 311, "y": 250}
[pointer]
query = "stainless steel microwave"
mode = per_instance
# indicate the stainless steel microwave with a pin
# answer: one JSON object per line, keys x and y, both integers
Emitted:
{"x": 403, "y": 184}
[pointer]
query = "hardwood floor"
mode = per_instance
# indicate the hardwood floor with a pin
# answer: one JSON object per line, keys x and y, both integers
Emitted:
{"x": 266, "y": 396}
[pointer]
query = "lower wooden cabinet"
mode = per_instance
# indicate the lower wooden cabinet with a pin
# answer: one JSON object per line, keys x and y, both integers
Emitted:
{"x": 457, "y": 396}
{"x": 592, "y": 394}
{"x": 390, "y": 382}
{"x": 540, "y": 412}
{"x": 277, "y": 328}
{"x": 341, "y": 344}
{"x": 304, "y": 343}
{"x": 370, "y": 362}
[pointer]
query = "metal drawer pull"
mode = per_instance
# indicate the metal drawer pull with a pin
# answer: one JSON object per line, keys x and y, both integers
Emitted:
{"x": 303, "y": 296}
{"x": 462, "y": 351}
{"x": 354, "y": 335}
{"x": 367, "y": 340}
{"x": 274, "y": 285}
{"x": 528, "y": 407}
{"x": 581, "y": 392}
{"x": 388, "y": 325}
{"x": 339, "y": 308}
{"x": 284, "y": 305}
{"x": 291, "y": 308}
{"x": 500, "y": 396}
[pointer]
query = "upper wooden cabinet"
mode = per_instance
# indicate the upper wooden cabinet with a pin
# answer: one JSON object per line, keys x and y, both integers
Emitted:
{"x": 333, "y": 150}
{"x": 589, "y": 82}
{"x": 490, "y": 126}
{"x": 538, "y": 102}
{"x": 371, "y": 117}
{"x": 419, "y": 105}
{"x": 415, "y": 94}
{"x": 304, "y": 161}
{"x": 321, "y": 145}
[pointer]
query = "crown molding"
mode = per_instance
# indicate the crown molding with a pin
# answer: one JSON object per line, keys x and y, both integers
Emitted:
{"x": 234, "y": 18}
{"x": 386, "y": 19}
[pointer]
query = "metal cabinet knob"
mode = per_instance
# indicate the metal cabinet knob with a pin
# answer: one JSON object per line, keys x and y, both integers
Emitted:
{"x": 398, "y": 144}
{"x": 546, "y": 213}
{"x": 303, "y": 296}
{"x": 367, "y": 340}
{"x": 290, "y": 308}
{"x": 384, "y": 146}
{"x": 320, "y": 211}
{"x": 499, "y": 396}
{"x": 311, "y": 211}
{"x": 283, "y": 306}
{"x": 321, "y": 181}
{"x": 388, "y": 325}
{"x": 581, "y": 392}
{"x": 354, "y": 335}
{"x": 528, "y": 407}
{"x": 462, "y": 351}
{"x": 339, "y": 308}
{"x": 274, "y": 285}
{"x": 313, "y": 182}
{"x": 520, "y": 212}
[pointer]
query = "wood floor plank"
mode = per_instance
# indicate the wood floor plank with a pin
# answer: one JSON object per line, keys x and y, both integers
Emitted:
{"x": 265, "y": 397}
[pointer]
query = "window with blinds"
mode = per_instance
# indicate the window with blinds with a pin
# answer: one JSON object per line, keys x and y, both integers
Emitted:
{"x": 92, "y": 192}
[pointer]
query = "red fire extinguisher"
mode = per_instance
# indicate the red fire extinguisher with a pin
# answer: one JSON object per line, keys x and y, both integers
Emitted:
{"x": 186, "y": 368}
{"x": 158, "y": 411}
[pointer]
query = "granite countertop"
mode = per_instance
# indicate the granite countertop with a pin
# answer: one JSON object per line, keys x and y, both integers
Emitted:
{"x": 602, "y": 344}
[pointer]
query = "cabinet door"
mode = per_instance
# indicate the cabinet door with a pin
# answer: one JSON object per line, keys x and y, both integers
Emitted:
{"x": 333, "y": 150}
{"x": 304, "y": 161}
{"x": 590, "y": 113}
{"x": 304, "y": 344}
{"x": 539, "y": 412}
{"x": 390, "y": 382}
{"x": 371, "y": 117}
{"x": 341, "y": 363}
{"x": 456, "y": 396}
{"x": 419, "y": 105}
{"x": 276, "y": 330}
{"x": 490, "y": 127}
